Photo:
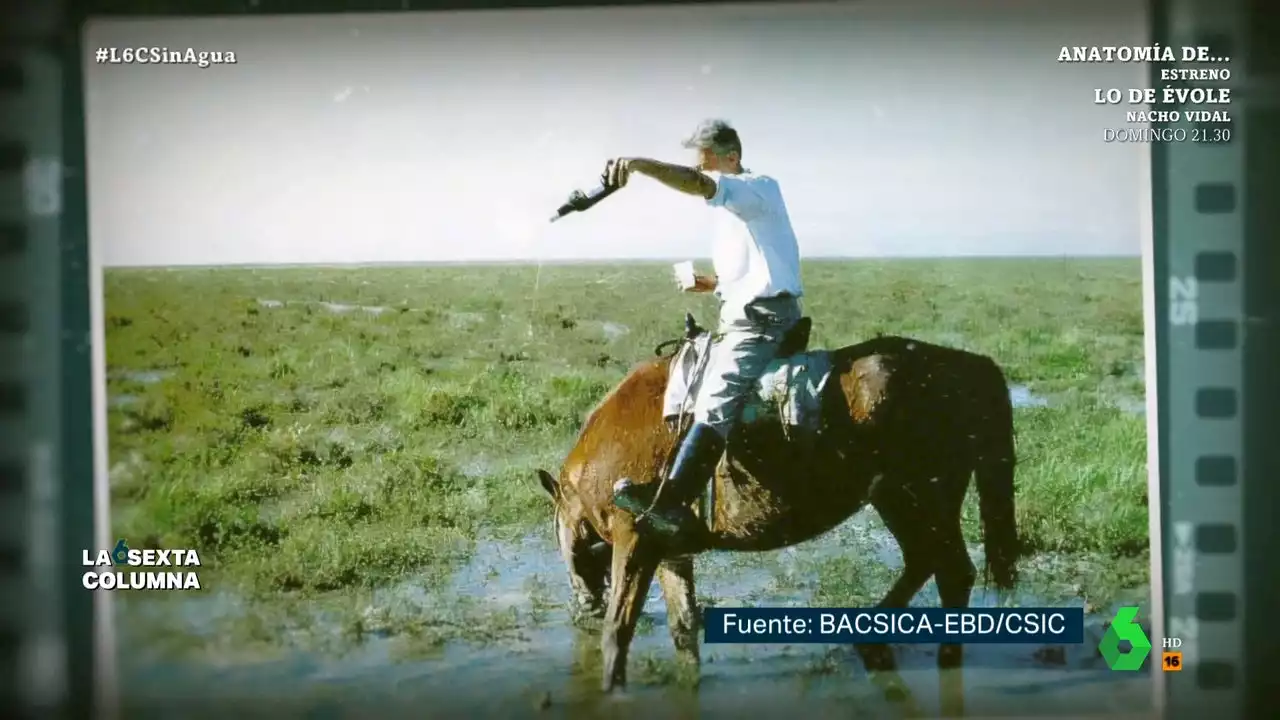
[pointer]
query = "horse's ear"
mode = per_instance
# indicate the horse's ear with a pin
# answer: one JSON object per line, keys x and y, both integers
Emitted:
{"x": 691, "y": 327}
{"x": 548, "y": 482}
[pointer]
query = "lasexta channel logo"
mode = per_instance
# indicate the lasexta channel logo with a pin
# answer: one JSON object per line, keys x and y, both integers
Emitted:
{"x": 1125, "y": 628}
{"x": 126, "y": 568}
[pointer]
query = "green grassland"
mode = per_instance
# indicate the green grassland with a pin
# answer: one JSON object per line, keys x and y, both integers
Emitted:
{"x": 322, "y": 431}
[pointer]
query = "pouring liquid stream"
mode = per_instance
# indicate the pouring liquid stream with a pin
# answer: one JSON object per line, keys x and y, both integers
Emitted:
{"x": 537, "y": 285}
{"x": 578, "y": 202}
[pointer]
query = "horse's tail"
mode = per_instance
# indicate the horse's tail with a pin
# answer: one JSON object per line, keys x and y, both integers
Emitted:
{"x": 994, "y": 468}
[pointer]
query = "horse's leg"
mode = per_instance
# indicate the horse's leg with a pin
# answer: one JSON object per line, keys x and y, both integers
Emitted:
{"x": 899, "y": 506}
{"x": 676, "y": 578}
{"x": 924, "y": 517}
{"x": 955, "y": 575}
{"x": 635, "y": 559}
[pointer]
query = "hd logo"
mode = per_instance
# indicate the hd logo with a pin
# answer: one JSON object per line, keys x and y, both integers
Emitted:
{"x": 132, "y": 569}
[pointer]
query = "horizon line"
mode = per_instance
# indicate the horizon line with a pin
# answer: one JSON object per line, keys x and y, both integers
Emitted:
{"x": 605, "y": 261}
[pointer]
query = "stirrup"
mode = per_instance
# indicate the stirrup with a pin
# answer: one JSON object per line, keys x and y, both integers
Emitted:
{"x": 632, "y": 497}
{"x": 670, "y": 522}
{"x": 678, "y": 523}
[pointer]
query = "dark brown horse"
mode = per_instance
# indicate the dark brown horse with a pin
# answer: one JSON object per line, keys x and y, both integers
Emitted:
{"x": 904, "y": 426}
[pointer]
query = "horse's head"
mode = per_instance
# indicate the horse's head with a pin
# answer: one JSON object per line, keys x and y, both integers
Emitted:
{"x": 584, "y": 553}
{"x": 624, "y": 435}
{"x": 567, "y": 509}
{"x": 691, "y": 327}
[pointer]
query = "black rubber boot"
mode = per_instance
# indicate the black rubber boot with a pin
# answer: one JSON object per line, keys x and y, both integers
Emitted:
{"x": 694, "y": 464}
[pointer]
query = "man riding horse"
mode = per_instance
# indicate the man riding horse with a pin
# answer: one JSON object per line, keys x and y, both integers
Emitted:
{"x": 757, "y": 279}
{"x": 896, "y": 423}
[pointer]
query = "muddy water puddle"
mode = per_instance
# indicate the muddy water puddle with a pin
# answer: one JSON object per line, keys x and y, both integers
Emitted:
{"x": 1023, "y": 397}
{"x": 141, "y": 377}
{"x": 516, "y": 654}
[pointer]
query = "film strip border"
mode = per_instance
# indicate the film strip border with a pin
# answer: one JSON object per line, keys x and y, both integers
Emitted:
{"x": 13, "y": 383}
{"x": 18, "y": 265}
{"x": 1203, "y": 197}
{"x": 46, "y": 637}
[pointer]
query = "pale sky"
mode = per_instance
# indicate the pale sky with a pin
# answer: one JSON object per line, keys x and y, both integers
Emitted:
{"x": 895, "y": 128}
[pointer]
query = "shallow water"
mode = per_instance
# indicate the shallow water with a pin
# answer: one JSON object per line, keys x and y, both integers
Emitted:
{"x": 613, "y": 330}
{"x": 1132, "y": 405}
{"x": 463, "y": 320}
{"x": 333, "y": 307}
{"x": 345, "y": 308}
{"x": 142, "y": 377}
{"x": 515, "y": 674}
{"x": 1022, "y": 397}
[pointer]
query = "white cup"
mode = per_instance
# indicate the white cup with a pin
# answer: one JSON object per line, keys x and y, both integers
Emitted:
{"x": 684, "y": 274}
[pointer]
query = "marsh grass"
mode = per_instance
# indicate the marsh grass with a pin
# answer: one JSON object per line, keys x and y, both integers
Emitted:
{"x": 316, "y": 432}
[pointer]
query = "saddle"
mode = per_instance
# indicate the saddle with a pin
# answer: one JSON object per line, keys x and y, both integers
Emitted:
{"x": 788, "y": 391}
{"x": 796, "y": 340}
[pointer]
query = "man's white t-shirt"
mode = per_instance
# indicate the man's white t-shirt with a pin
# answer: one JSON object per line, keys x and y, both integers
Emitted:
{"x": 754, "y": 252}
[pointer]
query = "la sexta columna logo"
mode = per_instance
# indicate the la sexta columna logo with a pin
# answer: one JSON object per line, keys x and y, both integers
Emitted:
{"x": 126, "y": 568}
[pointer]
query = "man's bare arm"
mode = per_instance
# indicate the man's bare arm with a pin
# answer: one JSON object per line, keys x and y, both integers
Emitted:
{"x": 677, "y": 177}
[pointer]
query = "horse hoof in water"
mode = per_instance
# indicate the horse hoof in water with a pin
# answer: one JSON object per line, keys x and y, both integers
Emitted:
{"x": 896, "y": 694}
{"x": 587, "y": 616}
{"x": 617, "y": 693}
